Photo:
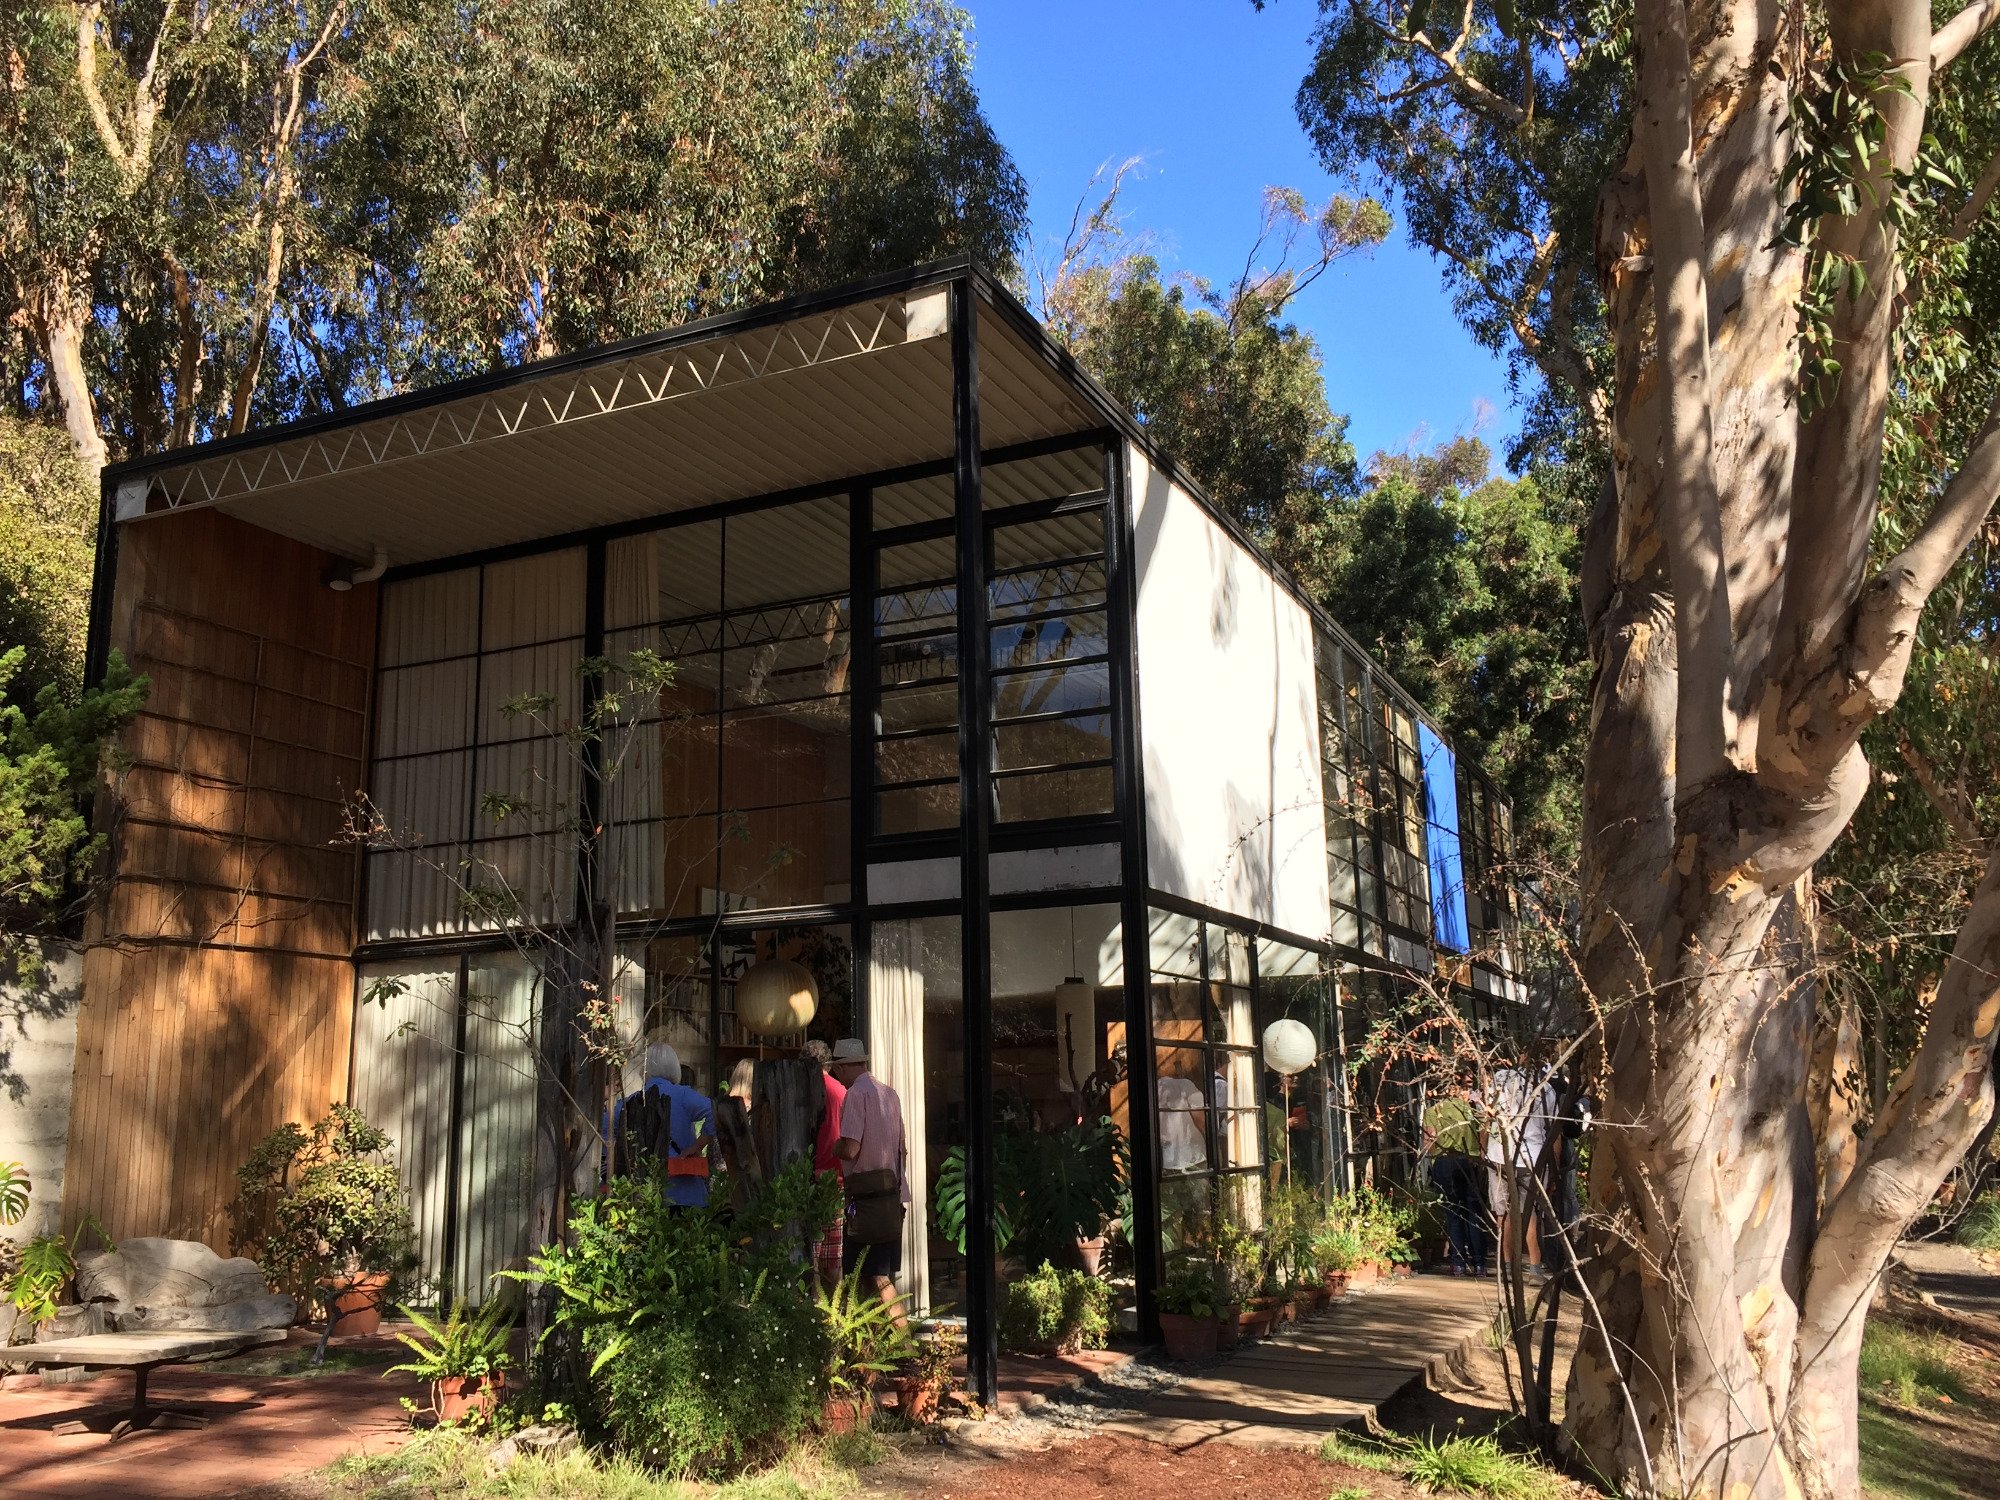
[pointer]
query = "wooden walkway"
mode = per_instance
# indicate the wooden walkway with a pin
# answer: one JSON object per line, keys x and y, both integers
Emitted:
{"x": 1336, "y": 1372}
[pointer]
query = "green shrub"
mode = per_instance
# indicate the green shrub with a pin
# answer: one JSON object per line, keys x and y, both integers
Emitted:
{"x": 1062, "y": 1311}
{"x": 1905, "y": 1367}
{"x": 704, "y": 1348}
{"x": 1980, "y": 1228}
{"x": 1475, "y": 1466}
{"x": 1189, "y": 1290}
{"x": 323, "y": 1205}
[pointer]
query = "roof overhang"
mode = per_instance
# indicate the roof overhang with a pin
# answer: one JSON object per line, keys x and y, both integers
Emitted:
{"x": 783, "y": 398}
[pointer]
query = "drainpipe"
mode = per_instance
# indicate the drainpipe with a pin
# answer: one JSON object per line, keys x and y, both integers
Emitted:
{"x": 342, "y": 577}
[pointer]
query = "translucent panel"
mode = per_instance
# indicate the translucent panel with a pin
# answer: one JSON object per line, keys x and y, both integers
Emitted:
{"x": 1057, "y": 638}
{"x": 672, "y": 574}
{"x": 519, "y": 881}
{"x": 424, "y": 708}
{"x": 405, "y": 1032}
{"x": 509, "y": 681}
{"x": 497, "y": 1122}
{"x": 533, "y": 786}
{"x": 1052, "y": 742}
{"x": 429, "y": 617}
{"x": 412, "y": 894}
{"x": 423, "y": 800}
{"x": 1175, "y": 944}
{"x": 1040, "y": 795}
{"x": 922, "y": 809}
{"x": 789, "y": 552}
{"x": 1049, "y": 690}
{"x": 536, "y": 598}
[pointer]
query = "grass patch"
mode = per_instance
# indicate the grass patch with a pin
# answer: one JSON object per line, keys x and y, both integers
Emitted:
{"x": 1461, "y": 1465}
{"x": 1350, "y": 1492}
{"x": 1358, "y": 1453}
{"x": 448, "y": 1463}
{"x": 1899, "y": 1458}
{"x": 1456, "y": 1465}
{"x": 1980, "y": 1228}
{"x": 1906, "y": 1367}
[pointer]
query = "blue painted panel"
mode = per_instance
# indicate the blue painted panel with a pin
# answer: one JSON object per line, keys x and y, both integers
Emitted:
{"x": 1447, "y": 862}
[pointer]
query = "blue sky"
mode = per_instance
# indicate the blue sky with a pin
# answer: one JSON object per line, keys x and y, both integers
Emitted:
{"x": 1203, "y": 91}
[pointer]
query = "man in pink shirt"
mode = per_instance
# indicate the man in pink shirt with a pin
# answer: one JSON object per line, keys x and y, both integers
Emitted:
{"x": 871, "y": 1147}
{"x": 830, "y": 1246}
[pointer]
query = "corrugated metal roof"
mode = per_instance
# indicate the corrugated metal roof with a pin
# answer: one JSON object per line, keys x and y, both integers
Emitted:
{"x": 820, "y": 398}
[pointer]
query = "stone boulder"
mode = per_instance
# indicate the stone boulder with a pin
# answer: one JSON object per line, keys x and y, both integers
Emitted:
{"x": 160, "y": 1284}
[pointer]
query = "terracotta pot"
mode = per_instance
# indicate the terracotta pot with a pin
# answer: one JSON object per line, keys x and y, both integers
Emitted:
{"x": 840, "y": 1414}
{"x": 1229, "y": 1329}
{"x": 1255, "y": 1322}
{"x": 1320, "y": 1297}
{"x": 1335, "y": 1283}
{"x": 357, "y": 1311}
{"x": 454, "y": 1396}
{"x": 1090, "y": 1254}
{"x": 916, "y": 1399}
{"x": 1188, "y": 1337}
{"x": 1363, "y": 1274}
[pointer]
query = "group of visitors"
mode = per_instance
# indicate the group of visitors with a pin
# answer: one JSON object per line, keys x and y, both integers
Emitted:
{"x": 1503, "y": 1161}
{"x": 859, "y": 1139}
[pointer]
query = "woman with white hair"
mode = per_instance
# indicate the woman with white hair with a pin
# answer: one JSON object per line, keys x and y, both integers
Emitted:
{"x": 669, "y": 1121}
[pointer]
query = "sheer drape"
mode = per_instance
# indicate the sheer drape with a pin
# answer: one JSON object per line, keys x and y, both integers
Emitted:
{"x": 896, "y": 1056}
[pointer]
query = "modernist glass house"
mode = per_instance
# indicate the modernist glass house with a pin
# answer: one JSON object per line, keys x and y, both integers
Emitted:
{"x": 971, "y": 704}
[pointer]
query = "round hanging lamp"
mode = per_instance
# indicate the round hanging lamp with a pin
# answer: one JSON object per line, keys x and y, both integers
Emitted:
{"x": 1289, "y": 1047}
{"x": 776, "y": 997}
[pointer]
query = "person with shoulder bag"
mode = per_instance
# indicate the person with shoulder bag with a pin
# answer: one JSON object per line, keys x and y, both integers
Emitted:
{"x": 875, "y": 1177}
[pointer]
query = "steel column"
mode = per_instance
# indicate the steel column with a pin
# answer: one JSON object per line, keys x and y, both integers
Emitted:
{"x": 975, "y": 826}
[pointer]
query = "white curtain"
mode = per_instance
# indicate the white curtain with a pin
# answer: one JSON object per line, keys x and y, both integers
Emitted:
{"x": 896, "y": 1056}
{"x": 636, "y": 859}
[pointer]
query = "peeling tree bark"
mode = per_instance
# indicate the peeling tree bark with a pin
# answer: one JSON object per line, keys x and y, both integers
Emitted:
{"x": 1741, "y": 649}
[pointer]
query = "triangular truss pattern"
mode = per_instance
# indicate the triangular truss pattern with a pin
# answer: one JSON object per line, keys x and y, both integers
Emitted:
{"x": 552, "y": 401}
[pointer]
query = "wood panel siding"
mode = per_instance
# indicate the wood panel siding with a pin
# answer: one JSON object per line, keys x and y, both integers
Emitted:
{"x": 218, "y": 987}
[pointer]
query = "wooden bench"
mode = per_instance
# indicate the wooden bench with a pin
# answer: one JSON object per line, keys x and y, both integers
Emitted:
{"x": 141, "y": 1353}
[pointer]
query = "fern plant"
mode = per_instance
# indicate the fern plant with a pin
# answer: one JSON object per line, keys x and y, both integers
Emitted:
{"x": 867, "y": 1338}
{"x": 472, "y": 1345}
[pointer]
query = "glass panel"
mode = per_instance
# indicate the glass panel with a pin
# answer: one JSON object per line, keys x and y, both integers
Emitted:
{"x": 793, "y": 855}
{"x": 430, "y": 617}
{"x": 1176, "y": 945}
{"x": 425, "y": 708}
{"x": 788, "y": 552}
{"x": 933, "y": 563}
{"x": 930, "y": 706}
{"x": 1064, "y": 584}
{"x": 511, "y": 682}
{"x": 1055, "y": 638}
{"x": 1052, "y": 742}
{"x": 671, "y": 574}
{"x": 496, "y": 1121}
{"x": 1053, "y": 794}
{"x": 921, "y": 809}
{"x": 1050, "y": 690}
{"x": 787, "y": 755}
{"x": 405, "y": 1036}
{"x": 923, "y": 757}
{"x": 916, "y": 1041}
{"x": 529, "y": 599}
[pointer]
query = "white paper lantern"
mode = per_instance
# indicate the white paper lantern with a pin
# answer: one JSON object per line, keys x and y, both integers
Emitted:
{"x": 1076, "y": 1033}
{"x": 776, "y": 998}
{"x": 1289, "y": 1047}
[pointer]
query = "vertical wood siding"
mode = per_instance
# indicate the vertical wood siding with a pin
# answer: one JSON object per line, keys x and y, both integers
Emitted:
{"x": 217, "y": 987}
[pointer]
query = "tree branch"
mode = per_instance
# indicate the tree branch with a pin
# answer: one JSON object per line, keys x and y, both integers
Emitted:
{"x": 1982, "y": 192}
{"x": 1947, "y": 805}
{"x": 1690, "y": 504}
{"x": 1962, "y": 30}
{"x": 87, "y": 17}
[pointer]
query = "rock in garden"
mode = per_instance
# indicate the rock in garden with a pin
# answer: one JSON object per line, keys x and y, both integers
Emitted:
{"x": 544, "y": 1440}
{"x": 167, "y": 1284}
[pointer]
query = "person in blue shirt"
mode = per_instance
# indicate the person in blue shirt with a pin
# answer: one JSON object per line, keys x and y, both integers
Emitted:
{"x": 671, "y": 1121}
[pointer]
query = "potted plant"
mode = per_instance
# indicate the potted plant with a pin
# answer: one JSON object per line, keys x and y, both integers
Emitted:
{"x": 922, "y": 1384}
{"x": 1188, "y": 1321}
{"x": 326, "y": 1210}
{"x": 464, "y": 1359}
{"x": 1338, "y": 1250}
{"x": 866, "y": 1342}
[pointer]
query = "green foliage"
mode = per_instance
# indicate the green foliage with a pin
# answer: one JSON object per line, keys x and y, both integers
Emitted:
{"x": 328, "y": 212}
{"x": 705, "y": 1348}
{"x": 1050, "y": 1188}
{"x": 1375, "y": 1222}
{"x": 46, "y": 1264}
{"x": 1980, "y": 1228}
{"x": 1339, "y": 1247}
{"x": 1190, "y": 1288}
{"x": 464, "y": 1344}
{"x": 1051, "y": 1310}
{"x": 323, "y": 1205}
{"x": 14, "y": 1185}
{"x": 866, "y": 1339}
{"x": 1906, "y": 1367}
{"x": 1356, "y": 1453}
{"x": 1478, "y": 1466}
{"x": 49, "y": 762}
{"x": 48, "y": 524}
{"x": 1293, "y": 1219}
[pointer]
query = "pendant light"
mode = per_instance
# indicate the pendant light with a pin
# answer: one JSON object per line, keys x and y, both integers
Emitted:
{"x": 1076, "y": 1024}
{"x": 776, "y": 997}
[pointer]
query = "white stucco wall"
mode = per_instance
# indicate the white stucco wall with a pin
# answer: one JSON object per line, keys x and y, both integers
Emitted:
{"x": 37, "y": 1057}
{"x": 1229, "y": 719}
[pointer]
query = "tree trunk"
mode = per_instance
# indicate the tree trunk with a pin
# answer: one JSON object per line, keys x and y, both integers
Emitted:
{"x": 64, "y": 314}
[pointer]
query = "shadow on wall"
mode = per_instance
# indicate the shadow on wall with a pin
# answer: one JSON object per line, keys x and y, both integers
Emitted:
{"x": 37, "y": 1055}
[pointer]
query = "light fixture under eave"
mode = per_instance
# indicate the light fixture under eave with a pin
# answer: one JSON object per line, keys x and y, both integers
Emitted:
{"x": 777, "y": 997}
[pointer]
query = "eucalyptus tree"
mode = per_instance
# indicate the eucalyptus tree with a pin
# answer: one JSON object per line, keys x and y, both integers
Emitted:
{"x": 218, "y": 215}
{"x": 1720, "y": 231}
